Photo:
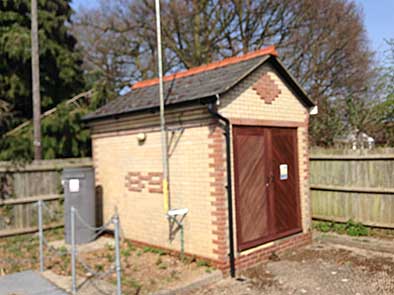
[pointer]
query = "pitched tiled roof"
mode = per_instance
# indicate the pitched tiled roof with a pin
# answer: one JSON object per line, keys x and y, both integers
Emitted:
{"x": 194, "y": 84}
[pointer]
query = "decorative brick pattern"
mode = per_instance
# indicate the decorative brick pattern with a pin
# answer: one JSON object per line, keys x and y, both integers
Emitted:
{"x": 244, "y": 102}
{"x": 137, "y": 182}
{"x": 217, "y": 165}
{"x": 266, "y": 88}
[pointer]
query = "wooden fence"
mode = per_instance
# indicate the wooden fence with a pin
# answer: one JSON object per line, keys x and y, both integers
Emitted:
{"x": 358, "y": 187}
{"x": 343, "y": 187}
{"x": 21, "y": 186}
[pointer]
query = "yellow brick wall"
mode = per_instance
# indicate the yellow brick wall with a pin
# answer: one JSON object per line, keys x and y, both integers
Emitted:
{"x": 141, "y": 213}
{"x": 245, "y": 103}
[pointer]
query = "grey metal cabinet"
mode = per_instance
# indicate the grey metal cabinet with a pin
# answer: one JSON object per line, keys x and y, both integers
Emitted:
{"x": 79, "y": 192}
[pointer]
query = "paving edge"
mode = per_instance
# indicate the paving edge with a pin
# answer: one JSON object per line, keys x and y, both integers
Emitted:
{"x": 349, "y": 242}
{"x": 200, "y": 282}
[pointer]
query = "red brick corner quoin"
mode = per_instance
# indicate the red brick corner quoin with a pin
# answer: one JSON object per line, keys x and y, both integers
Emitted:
{"x": 259, "y": 254}
{"x": 217, "y": 165}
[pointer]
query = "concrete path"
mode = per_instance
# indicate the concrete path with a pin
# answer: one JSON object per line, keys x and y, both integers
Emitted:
{"x": 27, "y": 283}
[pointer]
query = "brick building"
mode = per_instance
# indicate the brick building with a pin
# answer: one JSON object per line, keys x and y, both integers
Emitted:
{"x": 266, "y": 207}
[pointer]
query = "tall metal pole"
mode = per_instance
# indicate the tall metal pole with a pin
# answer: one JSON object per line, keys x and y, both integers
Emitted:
{"x": 164, "y": 148}
{"x": 117, "y": 256}
{"x": 73, "y": 254}
{"x": 41, "y": 235}
{"x": 35, "y": 69}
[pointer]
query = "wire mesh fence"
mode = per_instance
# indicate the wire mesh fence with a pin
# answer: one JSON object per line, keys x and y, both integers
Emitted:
{"x": 76, "y": 259}
{"x": 42, "y": 249}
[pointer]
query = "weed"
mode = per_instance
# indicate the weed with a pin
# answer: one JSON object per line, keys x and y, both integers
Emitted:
{"x": 163, "y": 266}
{"x": 202, "y": 263}
{"x": 147, "y": 249}
{"x": 109, "y": 246}
{"x": 132, "y": 283}
{"x": 323, "y": 226}
{"x": 350, "y": 228}
{"x": 339, "y": 228}
{"x": 356, "y": 229}
{"x": 110, "y": 257}
{"x": 130, "y": 246}
{"x": 158, "y": 261}
{"x": 188, "y": 260}
{"x": 154, "y": 250}
{"x": 125, "y": 252}
{"x": 99, "y": 267}
{"x": 62, "y": 251}
{"x": 139, "y": 253}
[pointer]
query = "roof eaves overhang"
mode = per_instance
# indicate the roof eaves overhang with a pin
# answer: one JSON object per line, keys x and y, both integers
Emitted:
{"x": 153, "y": 109}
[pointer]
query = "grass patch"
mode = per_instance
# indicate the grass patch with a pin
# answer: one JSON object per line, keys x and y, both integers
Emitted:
{"x": 202, "y": 263}
{"x": 154, "y": 250}
{"x": 351, "y": 228}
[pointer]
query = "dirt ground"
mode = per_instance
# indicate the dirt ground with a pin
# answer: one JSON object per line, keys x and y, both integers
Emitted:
{"x": 321, "y": 268}
{"x": 144, "y": 270}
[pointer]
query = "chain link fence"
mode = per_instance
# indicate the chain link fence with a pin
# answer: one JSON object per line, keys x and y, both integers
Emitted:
{"x": 73, "y": 251}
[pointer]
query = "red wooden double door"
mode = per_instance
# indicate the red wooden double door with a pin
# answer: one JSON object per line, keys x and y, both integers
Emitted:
{"x": 266, "y": 184}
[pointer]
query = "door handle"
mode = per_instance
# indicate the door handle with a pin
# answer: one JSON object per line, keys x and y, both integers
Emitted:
{"x": 269, "y": 180}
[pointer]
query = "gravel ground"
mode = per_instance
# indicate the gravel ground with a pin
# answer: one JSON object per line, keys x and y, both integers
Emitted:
{"x": 321, "y": 268}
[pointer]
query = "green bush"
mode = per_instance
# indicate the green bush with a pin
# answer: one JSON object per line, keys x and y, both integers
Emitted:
{"x": 350, "y": 228}
{"x": 323, "y": 226}
{"x": 356, "y": 229}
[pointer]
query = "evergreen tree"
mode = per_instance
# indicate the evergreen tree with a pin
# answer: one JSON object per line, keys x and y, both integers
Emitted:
{"x": 60, "y": 65}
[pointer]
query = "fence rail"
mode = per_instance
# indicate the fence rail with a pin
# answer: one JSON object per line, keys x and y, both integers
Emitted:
{"x": 365, "y": 190}
{"x": 22, "y": 185}
{"x": 352, "y": 186}
{"x": 33, "y": 199}
{"x": 315, "y": 157}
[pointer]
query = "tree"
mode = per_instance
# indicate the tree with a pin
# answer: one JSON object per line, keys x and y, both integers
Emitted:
{"x": 322, "y": 42}
{"x": 383, "y": 127}
{"x": 4, "y": 115}
{"x": 65, "y": 133}
{"x": 60, "y": 67}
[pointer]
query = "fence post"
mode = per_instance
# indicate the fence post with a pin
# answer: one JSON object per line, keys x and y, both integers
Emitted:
{"x": 73, "y": 254}
{"x": 117, "y": 255}
{"x": 41, "y": 235}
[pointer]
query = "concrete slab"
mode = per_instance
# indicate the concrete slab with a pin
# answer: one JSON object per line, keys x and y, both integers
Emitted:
{"x": 85, "y": 286}
{"x": 98, "y": 244}
{"x": 27, "y": 283}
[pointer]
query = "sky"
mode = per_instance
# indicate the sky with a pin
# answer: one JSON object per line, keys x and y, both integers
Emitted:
{"x": 379, "y": 22}
{"x": 378, "y": 18}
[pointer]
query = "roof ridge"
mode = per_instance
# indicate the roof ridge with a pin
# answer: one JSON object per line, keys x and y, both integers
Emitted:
{"x": 269, "y": 50}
